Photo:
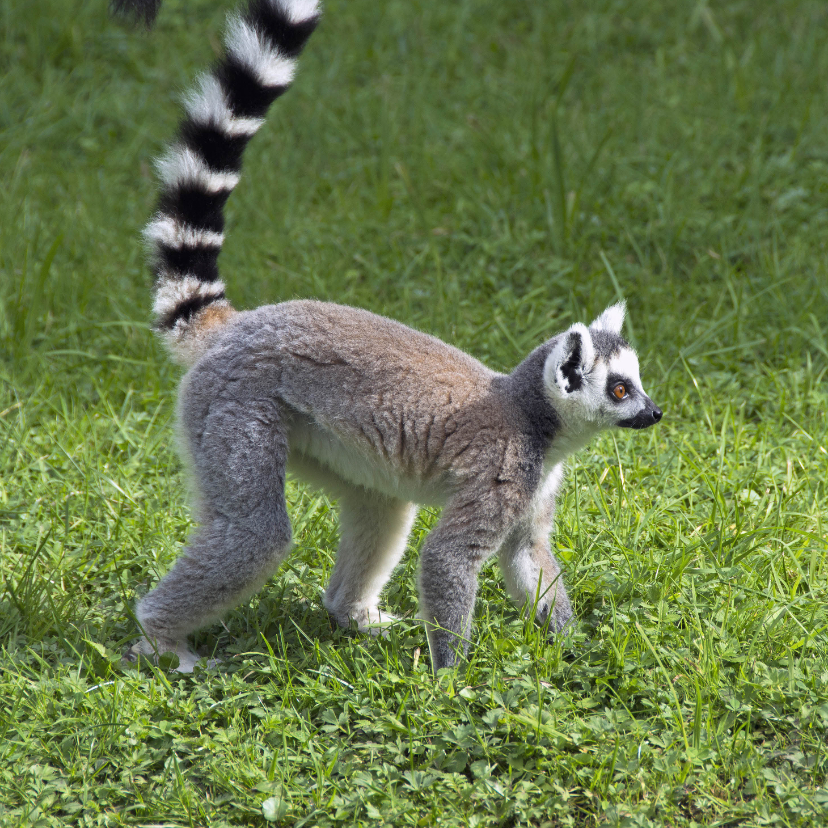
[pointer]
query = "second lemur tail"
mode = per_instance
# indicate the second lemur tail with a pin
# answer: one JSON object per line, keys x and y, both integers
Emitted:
{"x": 201, "y": 168}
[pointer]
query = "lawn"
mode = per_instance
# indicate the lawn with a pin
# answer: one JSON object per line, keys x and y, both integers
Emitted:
{"x": 489, "y": 172}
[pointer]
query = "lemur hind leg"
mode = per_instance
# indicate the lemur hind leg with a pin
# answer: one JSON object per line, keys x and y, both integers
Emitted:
{"x": 532, "y": 574}
{"x": 374, "y": 530}
{"x": 238, "y": 454}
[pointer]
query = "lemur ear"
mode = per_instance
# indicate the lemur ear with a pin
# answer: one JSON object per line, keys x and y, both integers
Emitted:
{"x": 611, "y": 319}
{"x": 572, "y": 356}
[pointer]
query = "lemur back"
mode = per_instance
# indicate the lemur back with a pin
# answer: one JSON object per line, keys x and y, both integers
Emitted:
{"x": 380, "y": 415}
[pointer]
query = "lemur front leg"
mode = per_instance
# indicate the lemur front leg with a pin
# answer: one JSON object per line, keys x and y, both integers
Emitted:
{"x": 532, "y": 574}
{"x": 472, "y": 527}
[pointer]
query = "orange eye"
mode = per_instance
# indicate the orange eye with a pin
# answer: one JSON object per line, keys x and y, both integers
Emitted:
{"x": 620, "y": 391}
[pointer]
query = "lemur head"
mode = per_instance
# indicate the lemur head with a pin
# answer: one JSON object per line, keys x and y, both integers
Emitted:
{"x": 591, "y": 376}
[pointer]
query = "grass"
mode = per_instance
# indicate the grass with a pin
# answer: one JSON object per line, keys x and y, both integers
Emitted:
{"x": 488, "y": 172}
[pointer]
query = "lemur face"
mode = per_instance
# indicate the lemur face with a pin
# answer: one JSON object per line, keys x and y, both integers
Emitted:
{"x": 625, "y": 402}
{"x": 592, "y": 376}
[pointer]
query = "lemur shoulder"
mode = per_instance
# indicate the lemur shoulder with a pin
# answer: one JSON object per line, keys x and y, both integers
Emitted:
{"x": 381, "y": 416}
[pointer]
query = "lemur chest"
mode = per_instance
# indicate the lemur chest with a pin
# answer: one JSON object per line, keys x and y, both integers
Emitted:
{"x": 566, "y": 443}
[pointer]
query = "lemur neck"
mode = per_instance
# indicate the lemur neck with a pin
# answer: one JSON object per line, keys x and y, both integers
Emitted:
{"x": 566, "y": 443}
{"x": 557, "y": 436}
{"x": 525, "y": 388}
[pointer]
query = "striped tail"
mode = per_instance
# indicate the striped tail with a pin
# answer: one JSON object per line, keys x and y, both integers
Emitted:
{"x": 201, "y": 168}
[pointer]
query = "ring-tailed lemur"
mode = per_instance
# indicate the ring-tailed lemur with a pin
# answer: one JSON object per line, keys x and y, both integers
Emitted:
{"x": 380, "y": 415}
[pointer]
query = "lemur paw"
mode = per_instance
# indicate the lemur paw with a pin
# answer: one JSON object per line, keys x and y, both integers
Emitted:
{"x": 155, "y": 651}
{"x": 371, "y": 620}
{"x": 560, "y": 622}
{"x": 378, "y": 622}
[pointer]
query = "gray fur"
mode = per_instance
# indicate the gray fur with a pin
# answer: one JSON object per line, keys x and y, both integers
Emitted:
{"x": 382, "y": 416}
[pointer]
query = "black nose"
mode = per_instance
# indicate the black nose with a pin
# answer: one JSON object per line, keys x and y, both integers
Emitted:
{"x": 657, "y": 414}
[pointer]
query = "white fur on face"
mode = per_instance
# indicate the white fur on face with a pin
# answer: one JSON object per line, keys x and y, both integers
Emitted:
{"x": 269, "y": 65}
{"x": 589, "y": 409}
{"x": 208, "y": 105}
{"x": 181, "y": 166}
{"x": 593, "y": 395}
{"x": 625, "y": 364}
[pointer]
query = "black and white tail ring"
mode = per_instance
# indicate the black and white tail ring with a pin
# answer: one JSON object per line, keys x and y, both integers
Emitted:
{"x": 202, "y": 166}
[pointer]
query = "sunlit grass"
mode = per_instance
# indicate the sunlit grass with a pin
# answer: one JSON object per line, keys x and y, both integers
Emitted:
{"x": 488, "y": 172}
